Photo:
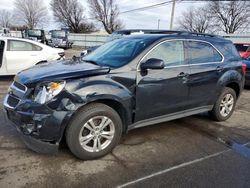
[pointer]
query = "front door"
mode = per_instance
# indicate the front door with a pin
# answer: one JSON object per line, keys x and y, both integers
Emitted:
{"x": 164, "y": 91}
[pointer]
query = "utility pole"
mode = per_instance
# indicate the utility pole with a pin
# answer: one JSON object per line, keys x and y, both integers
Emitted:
{"x": 172, "y": 15}
{"x": 159, "y": 24}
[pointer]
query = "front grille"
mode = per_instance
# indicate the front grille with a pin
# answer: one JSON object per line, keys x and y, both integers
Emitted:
{"x": 18, "y": 89}
{"x": 19, "y": 86}
{"x": 11, "y": 101}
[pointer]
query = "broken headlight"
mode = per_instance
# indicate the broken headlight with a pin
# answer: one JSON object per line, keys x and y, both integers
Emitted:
{"x": 47, "y": 91}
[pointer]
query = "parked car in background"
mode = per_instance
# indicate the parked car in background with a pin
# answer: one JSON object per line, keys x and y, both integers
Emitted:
{"x": 36, "y": 35}
{"x": 18, "y": 54}
{"x": 60, "y": 39}
{"x": 246, "y": 61}
{"x": 124, "y": 84}
{"x": 4, "y": 31}
{"x": 243, "y": 49}
{"x": 122, "y": 33}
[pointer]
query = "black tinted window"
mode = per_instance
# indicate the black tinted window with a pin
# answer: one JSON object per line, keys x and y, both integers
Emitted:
{"x": 201, "y": 52}
{"x": 171, "y": 52}
{"x": 242, "y": 47}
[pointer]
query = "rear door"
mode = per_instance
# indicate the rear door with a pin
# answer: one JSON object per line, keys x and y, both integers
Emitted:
{"x": 164, "y": 91}
{"x": 21, "y": 55}
{"x": 206, "y": 66}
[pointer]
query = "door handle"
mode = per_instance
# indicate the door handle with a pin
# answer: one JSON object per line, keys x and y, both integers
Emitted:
{"x": 219, "y": 68}
{"x": 183, "y": 75}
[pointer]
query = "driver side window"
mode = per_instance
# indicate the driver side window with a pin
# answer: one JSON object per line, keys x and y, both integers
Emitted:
{"x": 171, "y": 52}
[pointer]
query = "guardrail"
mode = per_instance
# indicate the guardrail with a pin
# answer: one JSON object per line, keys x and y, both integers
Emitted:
{"x": 238, "y": 38}
{"x": 87, "y": 40}
{"x": 83, "y": 40}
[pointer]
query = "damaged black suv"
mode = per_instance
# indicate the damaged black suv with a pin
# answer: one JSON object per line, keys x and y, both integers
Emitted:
{"x": 127, "y": 83}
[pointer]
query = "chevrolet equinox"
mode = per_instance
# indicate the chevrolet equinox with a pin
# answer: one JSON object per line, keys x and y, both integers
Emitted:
{"x": 128, "y": 83}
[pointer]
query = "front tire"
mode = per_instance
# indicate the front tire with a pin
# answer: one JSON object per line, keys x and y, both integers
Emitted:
{"x": 94, "y": 131}
{"x": 225, "y": 105}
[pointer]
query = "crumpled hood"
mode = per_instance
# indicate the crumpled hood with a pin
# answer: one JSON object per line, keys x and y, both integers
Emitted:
{"x": 59, "y": 70}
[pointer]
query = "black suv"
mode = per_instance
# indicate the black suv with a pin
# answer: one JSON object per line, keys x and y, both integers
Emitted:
{"x": 124, "y": 84}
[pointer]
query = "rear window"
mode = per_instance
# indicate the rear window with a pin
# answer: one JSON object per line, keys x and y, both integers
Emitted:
{"x": 201, "y": 52}
{"x": 15, "y": 45}
{"x": 229, "y": 51}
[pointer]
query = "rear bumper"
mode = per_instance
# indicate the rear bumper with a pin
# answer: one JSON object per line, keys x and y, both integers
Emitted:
{"x": 61, "y": 45}
{"x": 247, "y": 82}
{"x": 247, "y": 78}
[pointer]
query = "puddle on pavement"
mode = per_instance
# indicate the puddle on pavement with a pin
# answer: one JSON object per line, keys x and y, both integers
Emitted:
{"x": 241, "y": 149}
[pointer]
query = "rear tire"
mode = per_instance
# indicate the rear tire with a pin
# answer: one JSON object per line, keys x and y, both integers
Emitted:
{"x": 94, "y": 131}
{"x": 225, "y": 105}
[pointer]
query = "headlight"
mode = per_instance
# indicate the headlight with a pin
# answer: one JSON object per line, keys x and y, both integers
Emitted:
{"x": 47, "y": 91}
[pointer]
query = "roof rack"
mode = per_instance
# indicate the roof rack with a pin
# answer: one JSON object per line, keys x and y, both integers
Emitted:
{"x": 197, "y": 34}
{"x": 180, "y": 33}
{"x": 175, "y": 32}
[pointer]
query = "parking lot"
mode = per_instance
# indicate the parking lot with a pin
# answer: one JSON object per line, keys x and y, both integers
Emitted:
{"x": 189, "y": 152}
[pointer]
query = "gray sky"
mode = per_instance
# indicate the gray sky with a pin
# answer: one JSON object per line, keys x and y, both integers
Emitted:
{"x": 147, "y": 19}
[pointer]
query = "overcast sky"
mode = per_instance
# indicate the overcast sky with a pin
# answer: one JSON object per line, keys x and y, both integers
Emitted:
{"x": 147, "y": 19}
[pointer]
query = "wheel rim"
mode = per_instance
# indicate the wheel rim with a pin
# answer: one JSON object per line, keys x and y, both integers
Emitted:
{"x": 226, "y": 105}
{"x": 97, "y": 134}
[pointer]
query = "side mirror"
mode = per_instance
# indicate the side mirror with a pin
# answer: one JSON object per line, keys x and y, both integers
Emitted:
{"x": 153, "y": 64}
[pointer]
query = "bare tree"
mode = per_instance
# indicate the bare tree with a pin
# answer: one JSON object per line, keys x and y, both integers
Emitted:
{"x": 196, "y": 20}
{"x": 69, "y": 13}
{"x": 230, "y": 16}
{"x": 5, "y": 18}
{"x": 106, "y": 12}
{"x": 31, "y": 12}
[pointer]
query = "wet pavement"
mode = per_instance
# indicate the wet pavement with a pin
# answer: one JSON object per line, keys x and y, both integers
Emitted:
{"x": 189, "y": 152}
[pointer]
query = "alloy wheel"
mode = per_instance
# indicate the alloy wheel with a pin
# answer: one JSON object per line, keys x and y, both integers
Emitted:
{"x": 97, "y": 134}
{"x": 226, "y": 105}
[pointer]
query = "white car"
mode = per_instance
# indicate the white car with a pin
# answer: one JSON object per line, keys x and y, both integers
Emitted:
{"x": 17, "y": 54}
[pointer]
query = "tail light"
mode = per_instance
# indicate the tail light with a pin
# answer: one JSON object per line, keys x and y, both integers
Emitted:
{"x": 244, "y": 68}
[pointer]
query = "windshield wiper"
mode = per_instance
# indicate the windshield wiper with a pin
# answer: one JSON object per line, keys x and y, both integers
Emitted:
{"x": 90, "y": 61}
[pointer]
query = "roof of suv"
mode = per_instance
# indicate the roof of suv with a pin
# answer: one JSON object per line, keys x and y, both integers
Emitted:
{"x": 179, "y": 35}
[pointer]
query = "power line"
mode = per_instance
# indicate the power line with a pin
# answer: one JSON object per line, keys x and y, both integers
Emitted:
{"x": 146, "y": 7}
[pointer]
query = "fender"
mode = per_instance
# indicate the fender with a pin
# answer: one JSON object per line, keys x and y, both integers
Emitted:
{"x": 110, "y": 90}
{"x": 81, "y": 93}
{"x": 229, "y": 77}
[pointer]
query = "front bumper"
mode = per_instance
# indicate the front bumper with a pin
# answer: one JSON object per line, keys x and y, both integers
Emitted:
{"x": 41, "y": 127}
{"x": 40, "y": 146}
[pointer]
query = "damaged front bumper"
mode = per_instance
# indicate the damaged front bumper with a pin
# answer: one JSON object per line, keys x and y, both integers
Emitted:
{"x": 41, "y": 127}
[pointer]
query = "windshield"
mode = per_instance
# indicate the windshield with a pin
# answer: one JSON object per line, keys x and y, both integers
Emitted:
{"x": 58, "y": 34}
{"x": 34, "y": 33}
{"x": 118, "y": 52}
